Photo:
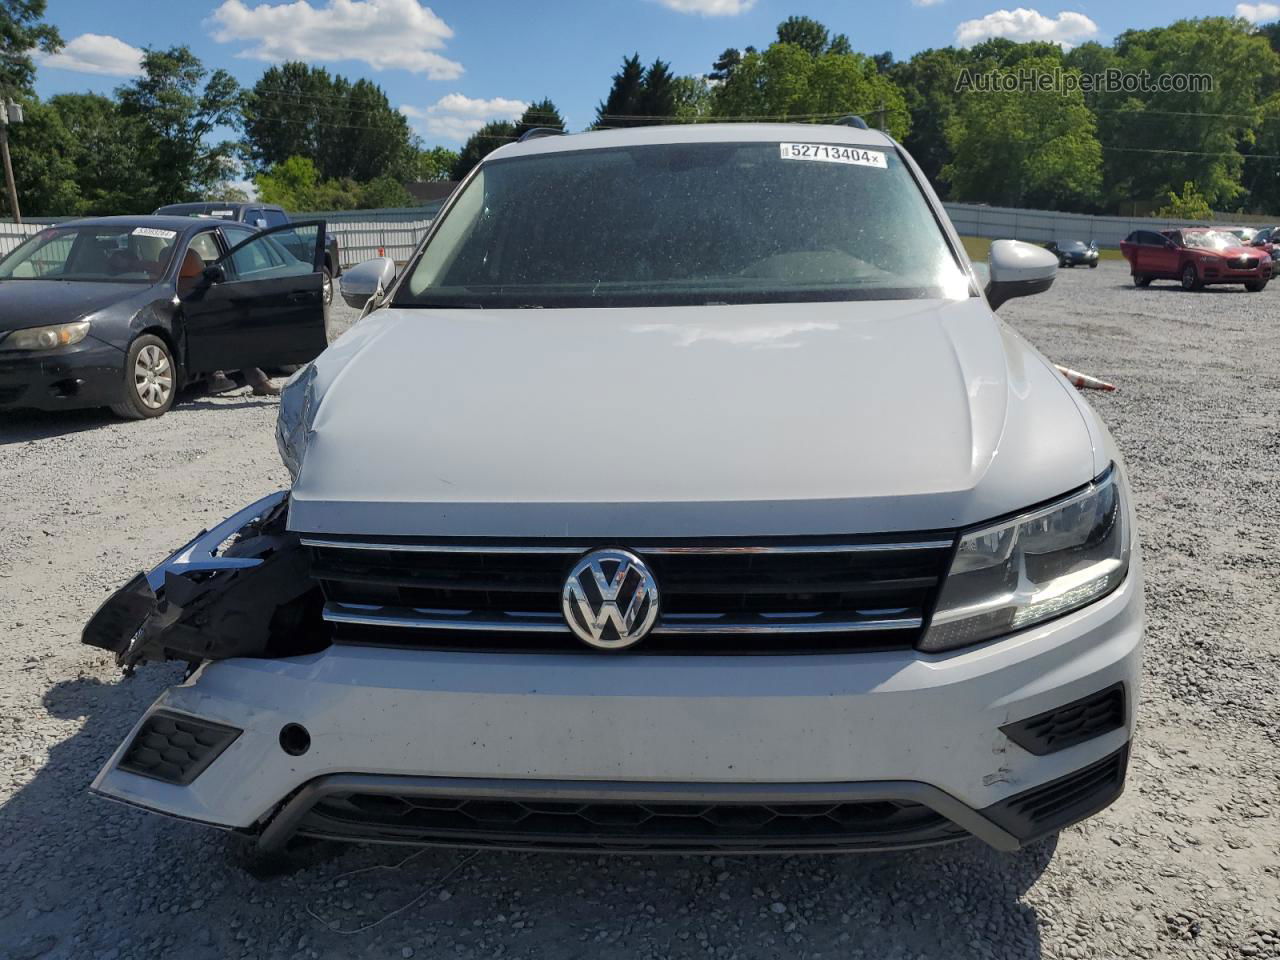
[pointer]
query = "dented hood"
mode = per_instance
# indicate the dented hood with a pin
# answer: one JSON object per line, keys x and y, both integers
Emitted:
{"x": 686, "y": 421}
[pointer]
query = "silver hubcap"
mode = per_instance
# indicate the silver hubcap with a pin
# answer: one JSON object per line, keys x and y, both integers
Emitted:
{"x": 152, "y": 377}
{"x": 328, "y": 290}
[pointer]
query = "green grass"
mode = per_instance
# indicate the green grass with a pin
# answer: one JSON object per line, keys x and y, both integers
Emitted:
{"x": 977, "y": 248}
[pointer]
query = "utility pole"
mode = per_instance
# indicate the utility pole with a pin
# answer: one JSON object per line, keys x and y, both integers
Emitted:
{"x": 880, "y": 113}
{"x": 9, "y": 112}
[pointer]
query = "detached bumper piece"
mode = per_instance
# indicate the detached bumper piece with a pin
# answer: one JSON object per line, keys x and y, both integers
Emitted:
{"x": 176, "y": 748}
{"x": 242, "y": 589}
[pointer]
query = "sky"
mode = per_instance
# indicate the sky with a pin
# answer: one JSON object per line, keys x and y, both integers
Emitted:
{"x": 452, "y": 65}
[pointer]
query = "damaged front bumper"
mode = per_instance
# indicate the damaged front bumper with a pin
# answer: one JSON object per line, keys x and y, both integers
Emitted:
{"x": 241, "y": 589}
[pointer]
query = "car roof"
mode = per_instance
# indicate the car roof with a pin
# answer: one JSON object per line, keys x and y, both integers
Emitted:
{"x": 203, "y": 205}
{"x": 180, "y": 224}
{"x": 696, "y": 133}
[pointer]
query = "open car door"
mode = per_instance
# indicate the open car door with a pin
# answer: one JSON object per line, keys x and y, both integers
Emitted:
{"x": 261, "y": 304}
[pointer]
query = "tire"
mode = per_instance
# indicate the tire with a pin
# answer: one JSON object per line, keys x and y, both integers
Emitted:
{"x": 1140, "y": 280}
{"x": 326, "y": 289}
{"x": 1190, "y": 279}
{"x": 1093, "y": 265}
{"x": 150, "y": 380}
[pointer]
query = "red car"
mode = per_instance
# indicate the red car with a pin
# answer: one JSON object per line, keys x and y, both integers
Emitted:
{"x": 1195, "y": 256}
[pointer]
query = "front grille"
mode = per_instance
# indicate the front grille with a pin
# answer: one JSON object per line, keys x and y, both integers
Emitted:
{"x": 650, "y": 827}
{"x": 1076, "y": 722}
{"x": 176, "y": 748}
{"x": 777, "y": 596}
{"x": 1243, "y": 263}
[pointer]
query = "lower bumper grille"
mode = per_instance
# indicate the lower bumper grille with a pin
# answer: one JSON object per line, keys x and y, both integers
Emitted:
{"x": 650, "y": 827}
{"x": 1076, "y": 722}
{"x": 1062, "y": 802}
{"x": 774, "y": 596}
{"x": 176, "y": 748}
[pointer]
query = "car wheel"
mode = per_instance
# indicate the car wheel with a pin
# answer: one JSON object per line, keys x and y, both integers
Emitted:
{"x": 150, "y": 380}
{"x": 1255, "y": 286}
{"x": 1093, "y": 265}
{"x": 327, "y": 288}
{"x": 1140, "y": 280}
{"x": 1191, "y": 279}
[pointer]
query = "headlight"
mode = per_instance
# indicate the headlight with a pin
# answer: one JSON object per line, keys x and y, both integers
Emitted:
{"x": 1010, "y": 575}
{"x": 46, "y": 338}
{"x": 297, "y": 413}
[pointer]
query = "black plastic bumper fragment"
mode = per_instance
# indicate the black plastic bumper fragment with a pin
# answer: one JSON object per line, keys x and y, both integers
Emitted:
{"x": 176, "y": 748}
{"x": 1059, "y": 803}
{"x": 1072, "y": 723}
{"x": 193, "y": 613}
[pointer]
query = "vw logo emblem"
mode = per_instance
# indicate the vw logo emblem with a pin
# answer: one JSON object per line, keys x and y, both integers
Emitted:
{"x": 610, "y": 599}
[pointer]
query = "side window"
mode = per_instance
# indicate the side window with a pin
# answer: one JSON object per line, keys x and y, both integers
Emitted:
{"x": 206, "y": 247}
{"x": 275, "y": 218}
{"x": 255, "y": 257}
{"x": 254, "y": 217}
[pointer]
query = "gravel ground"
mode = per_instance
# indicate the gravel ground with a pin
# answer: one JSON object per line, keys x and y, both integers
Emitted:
{"x": 1186, "y": 864}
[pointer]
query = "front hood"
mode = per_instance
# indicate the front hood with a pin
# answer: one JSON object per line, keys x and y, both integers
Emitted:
{"x": 35, "y": 303}
{"x": 685, "y": 421}
{"x": 1227, "y": 253}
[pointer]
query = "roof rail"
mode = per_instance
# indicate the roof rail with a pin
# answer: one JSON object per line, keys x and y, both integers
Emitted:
{"x": 536, "y": 132}
{"x": 852, "y": 120}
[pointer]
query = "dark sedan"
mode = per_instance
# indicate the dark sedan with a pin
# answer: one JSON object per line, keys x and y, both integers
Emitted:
{"x": 1073, "y": 253}
{"x": 121, "y": 311}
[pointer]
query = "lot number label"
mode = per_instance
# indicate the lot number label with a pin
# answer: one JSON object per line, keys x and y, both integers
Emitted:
{"x": 826, "y": 153}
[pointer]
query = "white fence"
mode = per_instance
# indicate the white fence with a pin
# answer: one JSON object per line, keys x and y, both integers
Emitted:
{"x": 1040, "y": 226}
{"x": 373, "y": 235}
{"x": 396, "y": 233}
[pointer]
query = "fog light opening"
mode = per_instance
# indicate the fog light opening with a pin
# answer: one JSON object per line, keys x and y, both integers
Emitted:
{"x": 294, "y": 739}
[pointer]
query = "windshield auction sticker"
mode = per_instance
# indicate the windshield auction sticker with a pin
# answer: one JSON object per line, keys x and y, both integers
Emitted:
{"x": 153, "y": 232}
{"x": 827, "y": 153}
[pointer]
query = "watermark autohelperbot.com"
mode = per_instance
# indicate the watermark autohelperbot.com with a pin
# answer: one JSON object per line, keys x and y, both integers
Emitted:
{"x": 1059, "y": 80}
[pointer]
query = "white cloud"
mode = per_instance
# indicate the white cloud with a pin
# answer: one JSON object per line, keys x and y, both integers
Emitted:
{"x": 1022, "y": 25}
{"x": 1258, "y": 12}
{"x": 925, "y": 3}
{"x": 386, "y": 34}
{"x": 96, "y": 53}
{"x": 456, "y": 116}
{"x": 709, "y": 8}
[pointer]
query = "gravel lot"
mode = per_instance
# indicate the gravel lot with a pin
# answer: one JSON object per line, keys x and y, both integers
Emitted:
{"x": 1186, "y": 864}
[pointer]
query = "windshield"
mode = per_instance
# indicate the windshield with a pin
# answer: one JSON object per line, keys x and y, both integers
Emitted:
{"x": 1209, "y": 239}
{"x": 1073, "y": 245}
{"x": 686, "y": 224}
{"x": 116, "y": 254}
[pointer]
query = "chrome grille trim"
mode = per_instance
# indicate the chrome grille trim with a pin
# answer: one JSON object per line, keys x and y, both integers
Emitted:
{"x": 710, "y": 550}
{"x": 516, "y": 622}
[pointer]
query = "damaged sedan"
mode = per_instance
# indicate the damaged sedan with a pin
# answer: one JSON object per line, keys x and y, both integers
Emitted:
{"x": 682, "y": 493}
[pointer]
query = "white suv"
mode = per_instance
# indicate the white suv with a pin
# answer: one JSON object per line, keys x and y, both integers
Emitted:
{"x": 682, "y": 493}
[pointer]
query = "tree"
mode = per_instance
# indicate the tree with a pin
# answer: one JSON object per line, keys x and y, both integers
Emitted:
{"x": 623, "y": 100}
{"x": 297, "y": 186}
{"x": 928, "y": 85}
{"x": 1189, "y": 205}
{"x": 435, "y": 163}
{"x": 807, "y": 34}
{"x": 725, "y": 64}
{"x": 657, "y": 93}
{"x": 348, "y": 128}
{"x": 540, "y": 114}
{"x": 177, "y": 104}
{"x": 692, "y": 97}
{"x": 786, "y": 81}
{"x": 1020, "y": 147}
{"x": 1160, "y": 140}
{"x": 481, "y": 143}
{"x": 23, "y": 31}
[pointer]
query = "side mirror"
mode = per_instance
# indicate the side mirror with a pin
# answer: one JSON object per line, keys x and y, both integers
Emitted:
{"x": 367, "y": 280}
{"x": 1018, "y": 269}
{"x": 214, "y": 273}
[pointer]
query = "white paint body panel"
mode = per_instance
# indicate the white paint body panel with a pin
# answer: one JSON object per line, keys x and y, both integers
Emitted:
{"x": 865, "y": 416}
